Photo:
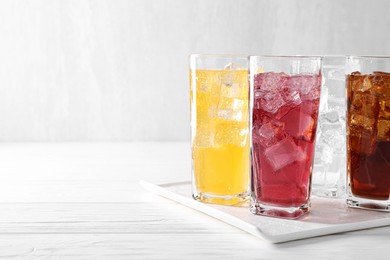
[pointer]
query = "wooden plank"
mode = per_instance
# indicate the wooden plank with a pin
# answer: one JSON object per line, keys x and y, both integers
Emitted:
{"x": 83, "y": 201}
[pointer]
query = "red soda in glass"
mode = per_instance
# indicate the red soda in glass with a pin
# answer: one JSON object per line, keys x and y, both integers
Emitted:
{"x": 284, "y": 120}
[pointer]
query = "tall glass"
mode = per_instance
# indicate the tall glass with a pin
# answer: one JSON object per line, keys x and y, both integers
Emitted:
{"x": 329, "y": 171}
{"x": 285, "y": 97}
{"x": 219, "y": 128}
{"x": 368, "y": 132}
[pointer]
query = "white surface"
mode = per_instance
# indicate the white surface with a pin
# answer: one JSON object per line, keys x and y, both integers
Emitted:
{"x": 327, "y": 216}
{"x": 118, "y": 70}
{"x": 83, "y": 201}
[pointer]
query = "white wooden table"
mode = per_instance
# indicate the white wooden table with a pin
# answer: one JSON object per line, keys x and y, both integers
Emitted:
{"x": 83, "y": 201}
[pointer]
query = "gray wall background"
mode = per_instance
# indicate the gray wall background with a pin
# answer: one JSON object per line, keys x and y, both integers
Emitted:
{"x": 118, "y": 70}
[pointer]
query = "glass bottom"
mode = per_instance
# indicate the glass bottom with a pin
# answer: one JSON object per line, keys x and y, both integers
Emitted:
{"x": 361, "y": 203}
{"x": 279, "y": 212}
{"x": 223, "y": 200}
{"x": 328, "y": 192}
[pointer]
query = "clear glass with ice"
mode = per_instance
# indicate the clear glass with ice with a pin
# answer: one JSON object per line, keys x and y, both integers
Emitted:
{"x": 284, "y": 102}
{"x": 329, "y": 170}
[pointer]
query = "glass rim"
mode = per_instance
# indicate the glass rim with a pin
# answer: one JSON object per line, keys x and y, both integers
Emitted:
{"x": 202, "y": 55}
{"x": 367, "y": 57}
{"x": 333, "y": 56}
{"x": 314, "y": 57}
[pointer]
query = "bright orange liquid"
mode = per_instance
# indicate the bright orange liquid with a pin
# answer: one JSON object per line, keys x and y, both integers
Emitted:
{"x": 219, "y": 126}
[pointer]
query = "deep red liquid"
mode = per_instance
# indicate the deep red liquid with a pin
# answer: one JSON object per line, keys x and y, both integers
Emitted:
{"x": 283, "y": 152}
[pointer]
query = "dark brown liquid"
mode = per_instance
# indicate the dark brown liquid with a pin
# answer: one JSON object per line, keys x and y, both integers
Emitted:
{"x": 370, "y": 175}
{"x": 368, "y": 127}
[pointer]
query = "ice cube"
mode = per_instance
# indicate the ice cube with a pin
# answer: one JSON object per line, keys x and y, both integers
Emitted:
{"x": 384, "y": 100}
{"x": 233, "y": 84}
{"x": 384, "y": 111}
{"x": 384, "y": 130}
{"x": 267, "y": 132}
{"x": 271, "y": 102}
{"x": 298, "y": 124}
{"x": 257, "y": 93}
{"x": 357, "y": 101}
{"x": 367, "y": 85}
{"x": 264, "y": 134}
{"x": 333, "y": 173}
{"x": 227, "y": 79}
{"x": 335, "y": 139}
{"x": 330, "y": 116}
{"x": 284, "y": 153}
{"x": 310, "y": 107}
{"x": 204, "y": 136}
{"x": 327, "y": 154}
{"x": 269, "y": 81}
{"x": 233, "y": 66}
{"x": 354, "y": 81}
{"x": 336, "y": 103}
{"x": 214, "y": 86}
{"x": 291, "y": 96}
{"x": 361, "y": 140}
{"x": 381, "y": 81}
{"x": 363, "y": 121}
{"x": 314, "y": 94}
{"x": 336, "y": 74}
{"x": 364, "y": 104}
{"x": 308, "y": 86}
{"x": 330, "y": 121}
{"x": 336, "y": 89}
{"x": 203, "y": 82}
{"x": 231, "y": 109}
{"x": 234, "y": 90}
{"x": 304, "y": 83}
{"x": 226, "y": 133}
{"x": 361, "y": 83}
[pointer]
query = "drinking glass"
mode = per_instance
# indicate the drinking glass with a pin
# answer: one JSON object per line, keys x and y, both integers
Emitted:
{"x": 219, "y": 128}
{"x": 329, "y": 170}
{"x": 368, "y": 132}
{"x": 284, "y": 102}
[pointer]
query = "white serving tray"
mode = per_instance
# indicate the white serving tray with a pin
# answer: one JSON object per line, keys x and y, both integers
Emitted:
{"x": 327, "y": 216}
